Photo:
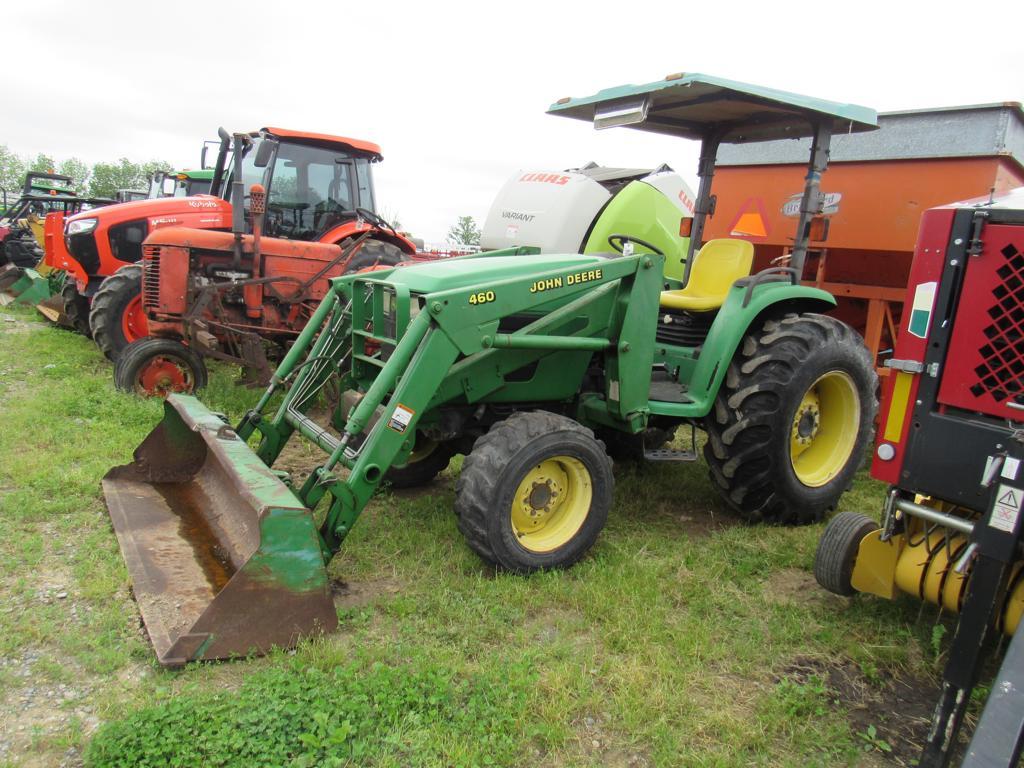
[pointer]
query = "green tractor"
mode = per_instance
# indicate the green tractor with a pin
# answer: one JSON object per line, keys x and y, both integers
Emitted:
{"x": 518, "y": 359}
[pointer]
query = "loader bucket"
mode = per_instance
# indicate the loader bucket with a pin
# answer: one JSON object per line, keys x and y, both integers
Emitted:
{"x": 224, "y": 560}
{"x": 22, "y": 286}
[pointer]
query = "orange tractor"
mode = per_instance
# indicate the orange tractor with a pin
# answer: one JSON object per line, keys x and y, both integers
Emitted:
{"x": 301, "y": 214}
{"x": 320, "y": 192}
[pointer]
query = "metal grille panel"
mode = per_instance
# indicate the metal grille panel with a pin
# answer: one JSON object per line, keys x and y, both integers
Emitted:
{"x": 150, "y": 276}
{"x": 984, "y": 368}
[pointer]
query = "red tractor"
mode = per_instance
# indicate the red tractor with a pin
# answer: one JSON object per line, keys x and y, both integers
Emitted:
{"x": 316, "y": 186}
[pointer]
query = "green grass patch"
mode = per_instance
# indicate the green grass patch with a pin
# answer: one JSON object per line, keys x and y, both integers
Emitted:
{"x": 669, "y": 644}
{"x": 305, "y": 715}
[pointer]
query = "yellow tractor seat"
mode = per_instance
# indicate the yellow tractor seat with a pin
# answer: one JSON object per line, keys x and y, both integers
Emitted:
{"x": 716, "y": 266}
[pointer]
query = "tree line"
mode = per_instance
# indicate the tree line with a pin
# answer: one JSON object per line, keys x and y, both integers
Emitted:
{"x": 102, "y": 179}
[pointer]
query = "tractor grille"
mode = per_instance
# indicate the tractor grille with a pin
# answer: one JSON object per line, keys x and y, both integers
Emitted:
{"x": 1002, "y": 366}
{"x": 683, "y": 329}
{"x": 150, "y": 276}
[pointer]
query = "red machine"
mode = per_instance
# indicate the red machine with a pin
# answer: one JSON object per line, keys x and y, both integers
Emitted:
{"x": 315, "y": 184}
{"x": 951, "y": 446}
{"x": 877, "y": 187}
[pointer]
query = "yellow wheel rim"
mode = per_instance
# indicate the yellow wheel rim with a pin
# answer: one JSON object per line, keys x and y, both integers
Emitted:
{"x": 423, "y": 447}
{"x": 551, "y": 503}
{"x": 824, "y": 429}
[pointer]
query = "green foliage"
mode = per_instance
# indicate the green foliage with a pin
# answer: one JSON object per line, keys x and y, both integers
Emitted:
{"x": 12, "y": 171}
{"x": 799, "y": 700}
{"x": 938, "y": 632}
{"x": 872, "y": 742}
{"x": 309, "y": 716}
{"x": 107, "y": 178}
{"x": 464, "y": 232}
{"x": 102, "y": 180}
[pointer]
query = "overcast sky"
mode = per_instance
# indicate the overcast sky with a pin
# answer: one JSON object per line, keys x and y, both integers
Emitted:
{"x": 455, "y": 93}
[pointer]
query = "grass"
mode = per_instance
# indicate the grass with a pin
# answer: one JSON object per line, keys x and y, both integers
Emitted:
{"x": 677, "y": 641}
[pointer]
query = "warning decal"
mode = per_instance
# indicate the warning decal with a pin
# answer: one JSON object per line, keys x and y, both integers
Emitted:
{"x": 921, "y": 310}
{"x": 751, "y": 221}
{"x": 1006, "y": 510}
{"x": 401, "y": 418}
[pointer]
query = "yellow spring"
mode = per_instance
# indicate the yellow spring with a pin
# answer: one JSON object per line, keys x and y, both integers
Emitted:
{"x": 925, "y": 569}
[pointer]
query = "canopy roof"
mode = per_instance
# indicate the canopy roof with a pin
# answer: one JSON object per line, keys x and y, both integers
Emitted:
{"x": 693, "y": 105}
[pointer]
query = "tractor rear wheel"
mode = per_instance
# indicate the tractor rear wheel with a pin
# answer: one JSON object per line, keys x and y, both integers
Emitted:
{"x": 375, "y": 253}
{"x": 428, "y": 459}
{"x": 155, "y": 367}
{"x": 117, "y": 318}
{"x": 790, "y": 423}
{"x": 534, "y": 492}
{"x": 76, "y": 307}
{"x": 837, "y": 551}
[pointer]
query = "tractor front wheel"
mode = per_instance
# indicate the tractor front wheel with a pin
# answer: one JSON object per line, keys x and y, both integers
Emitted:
{"x": 117, "y": 318}
{"x": 534, "y": 492}
{"x": 837, "y": 551}
{"x": 155, "y": 367}
{"x": 76, "y": 307}
{"x": 428, "y": 459}
{"x": 375, "y": 253}
{"x": 791, "y": 420}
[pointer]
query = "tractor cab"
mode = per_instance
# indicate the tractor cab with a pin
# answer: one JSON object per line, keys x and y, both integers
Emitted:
{"x": 178, "y": 184}
{"x": 314, "y": 182}
{"x": 714, "y": 111}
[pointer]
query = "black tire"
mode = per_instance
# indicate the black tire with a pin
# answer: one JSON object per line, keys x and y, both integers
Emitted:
{"x": 623, "y": 446}
{"x": 76, "y": 308}
{"x": 22, "y": 250}
{"x": 752, "y": 422}
{"x": 112, "y": 300}
{"x": 420, "y": 470}
{"x": 373, "y": 253}
{"x": 134, "y": 360}
{"x": 501, "y": 460}
{"x": 837, "y": 551}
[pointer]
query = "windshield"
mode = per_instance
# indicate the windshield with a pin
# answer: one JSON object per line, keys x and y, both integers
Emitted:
{"x": 312, "y": 189}
{"x": 188, "y": 187}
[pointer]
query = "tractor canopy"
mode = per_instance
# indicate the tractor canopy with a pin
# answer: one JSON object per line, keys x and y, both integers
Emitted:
{"x": 714, "y": 111}
{"x": 693, "y": 106}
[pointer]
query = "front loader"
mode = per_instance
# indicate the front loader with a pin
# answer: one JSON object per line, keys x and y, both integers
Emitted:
{"x": 515, "y": 358}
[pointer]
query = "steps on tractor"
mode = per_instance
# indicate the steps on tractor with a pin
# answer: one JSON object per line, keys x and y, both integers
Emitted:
{"x": 669, "y": 454}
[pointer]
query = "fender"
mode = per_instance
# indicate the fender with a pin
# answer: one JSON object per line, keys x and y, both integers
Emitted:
{"x": 732, "y": 324}
{"x": 350, "y": 228}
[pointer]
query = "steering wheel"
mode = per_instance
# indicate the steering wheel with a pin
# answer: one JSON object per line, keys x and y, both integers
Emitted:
{"x": 374, "y": 219}
{"x": 617, "y": 242}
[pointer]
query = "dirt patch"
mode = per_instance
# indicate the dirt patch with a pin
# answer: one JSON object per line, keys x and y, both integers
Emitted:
{"x": 899, "y": 707}
{"x": 39, "y": 717}
{"x": 299, "y": 457}
{"x": 699, "y": 523}
{"x": 355, "y": 594}
{"x": 598, "y": 744}
{"x": 793, "y": 586}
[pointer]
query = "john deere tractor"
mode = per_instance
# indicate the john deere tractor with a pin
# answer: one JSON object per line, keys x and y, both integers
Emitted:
{"x": 515, "y": 358}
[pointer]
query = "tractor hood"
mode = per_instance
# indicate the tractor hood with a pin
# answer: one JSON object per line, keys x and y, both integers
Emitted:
{"x": 158, "y": 207}
{"x": 484, "y": 270}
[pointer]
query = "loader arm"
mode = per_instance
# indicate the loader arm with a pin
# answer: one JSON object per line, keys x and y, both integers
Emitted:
{"x": 452, "y": 349}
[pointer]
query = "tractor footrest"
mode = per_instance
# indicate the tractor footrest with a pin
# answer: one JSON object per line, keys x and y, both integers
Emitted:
{"x": 669, "y": 454}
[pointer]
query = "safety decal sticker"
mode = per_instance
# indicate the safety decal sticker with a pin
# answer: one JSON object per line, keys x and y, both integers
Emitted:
{"x": 401, "y": 418}
{"x": 921, "y": 310}
{"x": 1006, "y": 510}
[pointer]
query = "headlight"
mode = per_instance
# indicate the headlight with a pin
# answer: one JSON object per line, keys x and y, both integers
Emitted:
{"x": 81, "y": 226}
